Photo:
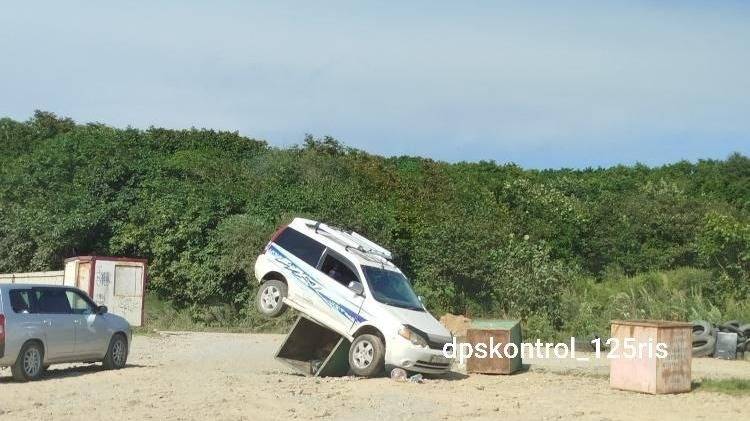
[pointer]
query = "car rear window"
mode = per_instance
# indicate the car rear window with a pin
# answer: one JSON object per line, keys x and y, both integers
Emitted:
{"x": 305, "y": 248}
{"x": 20, "y": 300}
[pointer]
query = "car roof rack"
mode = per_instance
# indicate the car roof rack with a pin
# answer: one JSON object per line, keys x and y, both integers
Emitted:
{"x": 351, "y": 239}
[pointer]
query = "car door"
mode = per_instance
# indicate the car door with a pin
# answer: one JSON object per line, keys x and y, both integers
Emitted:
{"x": 25, "y": 317}
{"x": 335, "y": 274}
{"x": 57, "y": 322}
{"x": 91, "y": 336}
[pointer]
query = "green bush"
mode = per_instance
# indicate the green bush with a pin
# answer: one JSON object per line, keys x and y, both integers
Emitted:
{"x": 524, "y": 280}
{"x": 724, "y": 244}
{"x": 590, "y": 305}
{"x": 200, "y": 204}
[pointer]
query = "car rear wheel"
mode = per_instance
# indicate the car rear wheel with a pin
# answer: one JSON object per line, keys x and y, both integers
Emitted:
{"x": 29, "y": 364}
{"x": 367, "y": 356}
{"x": 270, "y": 298}
{"x": 117, "y": 353}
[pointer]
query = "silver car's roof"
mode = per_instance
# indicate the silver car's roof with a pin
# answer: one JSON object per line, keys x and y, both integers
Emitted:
{"x": 20, "y": 286}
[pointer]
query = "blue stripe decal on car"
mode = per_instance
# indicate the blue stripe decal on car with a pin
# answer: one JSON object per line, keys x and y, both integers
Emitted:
{"x": 311, "y": 283}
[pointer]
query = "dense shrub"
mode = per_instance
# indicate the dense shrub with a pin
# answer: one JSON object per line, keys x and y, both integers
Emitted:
{"x": 566, "y": 249}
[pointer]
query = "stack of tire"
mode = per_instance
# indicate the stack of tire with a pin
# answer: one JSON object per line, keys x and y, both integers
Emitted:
{"x": 704, "y": 336}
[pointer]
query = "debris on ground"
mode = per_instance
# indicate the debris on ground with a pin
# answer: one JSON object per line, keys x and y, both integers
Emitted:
{"x": 417, "y": 378}
{"x": 398, "y": 374}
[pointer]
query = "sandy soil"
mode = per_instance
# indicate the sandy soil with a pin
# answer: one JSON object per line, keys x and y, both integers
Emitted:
{"x": 183, "y": 376}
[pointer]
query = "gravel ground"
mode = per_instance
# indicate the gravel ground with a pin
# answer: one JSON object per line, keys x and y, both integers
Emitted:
{"x": 183, "y": 376}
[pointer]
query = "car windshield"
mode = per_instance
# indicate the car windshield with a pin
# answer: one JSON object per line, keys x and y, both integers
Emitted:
{"x": 391, "y": 288}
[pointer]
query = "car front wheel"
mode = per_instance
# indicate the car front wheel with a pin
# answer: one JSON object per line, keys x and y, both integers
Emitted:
{"x": 117, "y": 353}
{"x": 367, "y": 356}
{"x": 270, "y": 298}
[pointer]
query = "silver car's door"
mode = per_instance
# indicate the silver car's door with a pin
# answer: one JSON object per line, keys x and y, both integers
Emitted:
{"x": 57, "y": 321}
{"x": 26, "y": 323}
{"x": 91, "y": 336}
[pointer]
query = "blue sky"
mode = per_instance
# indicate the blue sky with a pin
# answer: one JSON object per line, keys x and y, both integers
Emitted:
{"x": 553, "y": 84}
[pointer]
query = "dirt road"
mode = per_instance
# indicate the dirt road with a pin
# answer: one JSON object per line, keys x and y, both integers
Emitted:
{"x": 185, "y": 376}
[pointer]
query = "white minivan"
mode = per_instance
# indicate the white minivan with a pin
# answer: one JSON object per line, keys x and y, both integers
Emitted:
{"x": 348, "y": 284}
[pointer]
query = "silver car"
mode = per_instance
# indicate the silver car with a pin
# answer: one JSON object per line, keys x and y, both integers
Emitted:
{"x": 47, "y": 324}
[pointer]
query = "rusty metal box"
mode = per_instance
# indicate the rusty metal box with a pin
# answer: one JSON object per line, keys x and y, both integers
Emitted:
{"x": 493, "y": 332}
{"x": 646, "y": 370}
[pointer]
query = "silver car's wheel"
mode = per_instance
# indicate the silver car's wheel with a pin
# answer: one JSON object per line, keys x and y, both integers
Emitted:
{"x": 117, "y": 353}
{"x": 270, "y": 299}
{"x": 30, "y": 362}
{"x": 363, "y": 354}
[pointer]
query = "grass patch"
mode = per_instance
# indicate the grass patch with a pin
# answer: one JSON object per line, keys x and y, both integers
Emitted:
{"x": 163, "y": 315}
{"x": 589, "y": 304}
{"x": 729, "y": 386}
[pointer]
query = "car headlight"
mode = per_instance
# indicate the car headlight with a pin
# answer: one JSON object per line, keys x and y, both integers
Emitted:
{"x": 413, "y": 337}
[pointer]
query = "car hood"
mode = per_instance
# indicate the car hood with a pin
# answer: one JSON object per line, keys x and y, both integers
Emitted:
{"x": 421, "y": 320}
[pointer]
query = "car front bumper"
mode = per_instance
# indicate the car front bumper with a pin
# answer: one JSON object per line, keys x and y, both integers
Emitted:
{"x": 402, "y": 353}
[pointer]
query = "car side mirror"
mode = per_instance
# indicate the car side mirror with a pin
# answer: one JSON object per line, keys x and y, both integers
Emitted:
{"x": 357, "y": 287}
{"x": 101, "y": 310}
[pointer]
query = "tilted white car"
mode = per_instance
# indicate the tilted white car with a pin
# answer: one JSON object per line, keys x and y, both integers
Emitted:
{"x": 348, "y": 284}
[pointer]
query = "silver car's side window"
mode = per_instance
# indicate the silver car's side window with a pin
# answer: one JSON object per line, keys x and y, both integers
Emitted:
{"x": 20, "y": 300}
{"x": 52, "y": 301}
{"x": 78, "y": 303}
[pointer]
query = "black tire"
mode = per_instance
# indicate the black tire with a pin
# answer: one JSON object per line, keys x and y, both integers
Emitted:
{"x": 734, "y": 323}
{"x": 745, "y": 330}
{"x": 30, "y": 362}
{"x": 702, "y": 330}
{"x": 117, "y": 353}
{"x": 367, "y": 356}
{"x": 704, "y": 348}
{"x": 741, "y": 344}
{"x": 270, "y": 298}
{"x": 731, "y": 328}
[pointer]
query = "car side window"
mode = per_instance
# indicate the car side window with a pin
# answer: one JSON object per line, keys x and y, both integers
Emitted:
{"x": 300, "y": 245}
{"x": 20, "y": 300}
{"x": 78, "y": 303}
{"x": 52, "y": 301}
{"x": 338, "y": 270}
